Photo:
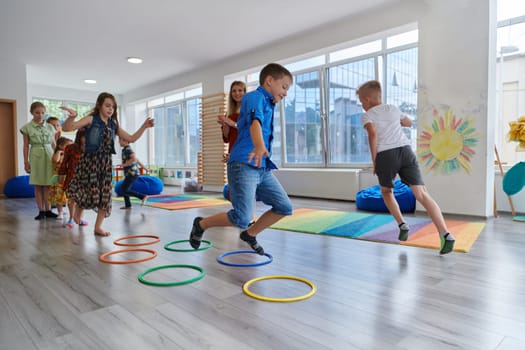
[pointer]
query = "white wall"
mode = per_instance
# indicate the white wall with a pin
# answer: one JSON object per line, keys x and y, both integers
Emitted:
{"x": 342, "y": 184}
{"x": 58, "y": 93}
{"x": 337, "y": 33}
{"x": 13, "y": 87}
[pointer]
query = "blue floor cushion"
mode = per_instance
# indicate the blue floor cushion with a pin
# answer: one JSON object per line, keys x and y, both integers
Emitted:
{"x": 371, "y": 199}
{"x": 19, "y": 187}
{"x": 148, "y": 185}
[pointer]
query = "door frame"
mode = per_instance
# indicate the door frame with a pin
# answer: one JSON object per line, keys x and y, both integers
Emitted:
{"x": 15, "y": 130}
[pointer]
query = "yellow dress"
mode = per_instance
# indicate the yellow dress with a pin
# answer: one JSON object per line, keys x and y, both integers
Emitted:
{"x": 57, "y": 195}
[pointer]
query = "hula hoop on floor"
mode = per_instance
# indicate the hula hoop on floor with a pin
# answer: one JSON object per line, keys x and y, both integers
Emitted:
{"x": 156, "y": 239}
{"x": 208, "y": 245}
{"x": 220, "y": 258}
{"x": 103, "y": 257}
{"x": 246, "y": 289}
{"x": 169, "y": 284}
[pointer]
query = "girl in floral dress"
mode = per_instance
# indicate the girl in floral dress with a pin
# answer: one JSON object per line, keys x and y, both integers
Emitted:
{"x": 91, "y": 186}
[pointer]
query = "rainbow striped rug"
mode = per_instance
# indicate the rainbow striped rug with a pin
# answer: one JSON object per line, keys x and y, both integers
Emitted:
{"x": 378, "y": 228}
{"x": 178, "y": 201}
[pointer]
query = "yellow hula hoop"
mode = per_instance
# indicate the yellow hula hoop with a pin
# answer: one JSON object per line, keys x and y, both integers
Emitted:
{"x": 246, "y": 289}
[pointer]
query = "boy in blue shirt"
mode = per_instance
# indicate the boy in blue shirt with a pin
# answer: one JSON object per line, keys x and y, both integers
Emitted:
{"x": 249, "y": 164}
{"x": 130, "y": 165}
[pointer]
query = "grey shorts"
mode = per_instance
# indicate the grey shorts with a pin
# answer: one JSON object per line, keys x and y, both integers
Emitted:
{"x": 402, "y": 161}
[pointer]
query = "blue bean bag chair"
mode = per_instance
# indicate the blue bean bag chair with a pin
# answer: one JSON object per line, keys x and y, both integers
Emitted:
{"x": 19, "y": 187}
{"x": 371, "y": 199}
{"x": 148, "y": 185}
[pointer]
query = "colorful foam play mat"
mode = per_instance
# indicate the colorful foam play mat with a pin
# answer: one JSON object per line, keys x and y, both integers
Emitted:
{"x": 519, "y": 218}
{"x": 378, "y": 228}
{"x": 178, "y": 201}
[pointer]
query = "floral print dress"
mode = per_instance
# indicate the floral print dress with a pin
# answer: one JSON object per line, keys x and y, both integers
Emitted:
{"x": 92, "y": 183}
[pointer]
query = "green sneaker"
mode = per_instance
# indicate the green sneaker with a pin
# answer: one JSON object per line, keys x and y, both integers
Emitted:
{"x": 447, "y": 245}
{"x": 403, "y": 231}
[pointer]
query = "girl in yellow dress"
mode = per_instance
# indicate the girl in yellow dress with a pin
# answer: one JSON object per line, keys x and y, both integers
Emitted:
{"x": 57, "y": 195}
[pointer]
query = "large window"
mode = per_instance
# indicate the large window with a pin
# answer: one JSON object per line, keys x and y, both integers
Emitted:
{"x": 53, "y": 110}
{"x": 348, "y": 141}
{"x": 401, "y": 87}
{"x": 318, "y": 124}
{"x": 510, "y": 88}
{"x": 322, "y": 112}
{"x": 302, "y": 115}
{"x": 176, "y": 137}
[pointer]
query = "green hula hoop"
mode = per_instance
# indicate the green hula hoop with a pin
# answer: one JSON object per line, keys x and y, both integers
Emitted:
{"x": 208, "y": 245}
{"x": 170, "y": 284}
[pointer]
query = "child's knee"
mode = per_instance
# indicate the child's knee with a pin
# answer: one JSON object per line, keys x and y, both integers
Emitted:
{"x": 284, "y": 207}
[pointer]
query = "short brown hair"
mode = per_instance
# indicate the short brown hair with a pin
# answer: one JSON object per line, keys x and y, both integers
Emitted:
{"x": 369, "y": 86}
{"x": 36, "y": 105}
{"x": 274, "y": 70}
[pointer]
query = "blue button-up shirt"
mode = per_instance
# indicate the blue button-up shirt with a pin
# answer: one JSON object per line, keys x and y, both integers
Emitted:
{"x": 256, "y": 106}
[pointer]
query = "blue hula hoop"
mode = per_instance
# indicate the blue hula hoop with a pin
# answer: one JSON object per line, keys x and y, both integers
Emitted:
{"x": 223, "y": 255}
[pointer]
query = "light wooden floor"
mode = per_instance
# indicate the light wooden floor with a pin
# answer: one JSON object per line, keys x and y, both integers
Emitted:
{"x": 55, "y": 294}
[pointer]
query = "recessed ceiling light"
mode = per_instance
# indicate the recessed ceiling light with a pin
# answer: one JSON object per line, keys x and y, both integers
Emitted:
{"x": 90, "y": 81}
{"x": 135, "y": 60}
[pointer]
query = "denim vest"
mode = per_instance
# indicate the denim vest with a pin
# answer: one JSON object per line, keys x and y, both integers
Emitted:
{"x": 95, "y": 132}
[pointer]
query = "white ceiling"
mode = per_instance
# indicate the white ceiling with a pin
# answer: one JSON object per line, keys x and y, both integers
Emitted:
{"x": 64, "y": 42}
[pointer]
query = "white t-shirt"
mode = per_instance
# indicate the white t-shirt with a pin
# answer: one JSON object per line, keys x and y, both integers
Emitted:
{"x": 387, "y": 121}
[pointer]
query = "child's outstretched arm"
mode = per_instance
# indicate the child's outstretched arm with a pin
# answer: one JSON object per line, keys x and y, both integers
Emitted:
{"x": 148, "y": 123}
{"x": 146, "y": 169}
{"x": 259, "y": 149}
{"x": 70, "y": 124}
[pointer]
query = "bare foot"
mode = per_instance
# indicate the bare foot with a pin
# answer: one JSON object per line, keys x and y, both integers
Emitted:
{"x": 144, "y": 200}
{"x": 102, "y": 233}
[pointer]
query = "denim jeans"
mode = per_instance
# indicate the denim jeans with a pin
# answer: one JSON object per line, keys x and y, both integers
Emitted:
{"x": 245, "y": 182}
{"x": 127, "y": 191}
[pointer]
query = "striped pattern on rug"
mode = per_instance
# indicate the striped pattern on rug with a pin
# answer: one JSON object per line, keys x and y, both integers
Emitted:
{"x": 378, "y": 228}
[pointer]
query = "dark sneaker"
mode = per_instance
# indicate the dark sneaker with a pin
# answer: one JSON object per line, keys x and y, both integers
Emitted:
{"x": 50, "y": 214}
{"x": 196, "y": 233}
{"x": 403, "y": 231}
{"x": 41, "y": 215}
{"x": 447, "y": 245}
{"x": 252, "y": 242}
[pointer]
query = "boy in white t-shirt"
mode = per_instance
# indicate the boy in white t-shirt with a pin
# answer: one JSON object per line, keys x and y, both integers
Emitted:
{"x": 392, "y": 155}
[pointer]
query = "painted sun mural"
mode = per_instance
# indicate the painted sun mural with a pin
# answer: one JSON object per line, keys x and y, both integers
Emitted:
{"x": 448, "y": 144}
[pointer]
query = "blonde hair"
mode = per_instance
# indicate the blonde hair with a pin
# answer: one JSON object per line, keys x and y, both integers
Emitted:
{"x": 369, "y": 88}
{"x": 233, "y": 106}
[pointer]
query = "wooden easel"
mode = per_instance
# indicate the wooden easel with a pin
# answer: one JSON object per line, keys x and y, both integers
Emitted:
{"x": 502, "y": 174}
